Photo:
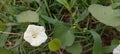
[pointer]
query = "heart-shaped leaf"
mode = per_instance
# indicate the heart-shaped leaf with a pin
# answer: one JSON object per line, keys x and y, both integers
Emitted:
{"x": 54, "y": 45}
{"x": 28, "y": 16}
{"x": 105, "y": 14}
{"x": 64, "y": 33}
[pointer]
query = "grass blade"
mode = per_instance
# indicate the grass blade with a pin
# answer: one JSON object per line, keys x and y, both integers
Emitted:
{"x": 64, "y": 2}
{"x": 97, "y": 46}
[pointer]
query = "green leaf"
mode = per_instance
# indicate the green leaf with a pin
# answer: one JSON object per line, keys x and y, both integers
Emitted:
{"x": 72, "y": 3}
{"x": 38, "y": 1}
{"x": 42, "y": 10}
{"x": 2, "y": 26}
{"x": 117, "y": 13}
{"x": 54, "y": 45}
{"x": 3, "y": 37}
{"x": 97, "y": 46}
{"x": 108, "y": 49}
{"x": 116, "y": 5}
{"x": 4, "y": 18}
{"x": 50, "y": 20}
{"x": 4, "y": 51}
{"x": 1, "y": 1}
{"x": 116, "y": 0}
{"x": 64, "y": 2}
{"x": 82, "y": 17}
{"x": 10, "y": 9}
{"x": 115, "y": 42}
{"x": 105, "y": 14}
{"x": 118, "y": 28}
{"x": 94, "y": 1}
{"x": 28, "y": 16}
{"x": 64, "y": 33}
{"x": 44, "y": 14}
{"x": 76, "y": 48}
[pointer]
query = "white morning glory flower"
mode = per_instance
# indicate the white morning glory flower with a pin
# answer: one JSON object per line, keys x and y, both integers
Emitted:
{"x": 117, "y": 50}
{"x": 35, "y": 35}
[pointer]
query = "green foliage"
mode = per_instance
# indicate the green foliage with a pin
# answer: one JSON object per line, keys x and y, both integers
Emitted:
{"x": 72, "y": 3}
{"x": 65, "y": 3}
{"x": 10, "y": 9}
{"x": 62, "y": 32}
{"x": 116, "y": 0}
{"x": 68, "y": 25}
{"x": 105, "y": 14}
{"x": 76, "y": 48}
{"x": 82, "y": 17}
{"x": 28, "y": 16}
{"x": 4, "y": 37}
{"x": 94, "y": 1}
{"x": 115, "y": 42}
{"x": 108, "y": 49}
{"x": 118, "y": 28}
{"x": 54, "y": 44}
{"x": 97, "y": 46}
{"x": 50, "y": 20}
{"x": 4, "y": 51}
{"x": 116, "y": 5}
{"x": 2, "y": 26}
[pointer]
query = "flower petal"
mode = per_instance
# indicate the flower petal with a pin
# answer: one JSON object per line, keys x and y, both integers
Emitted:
{"x": 35, "y": 35}
{"x": 116, "y": 50}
